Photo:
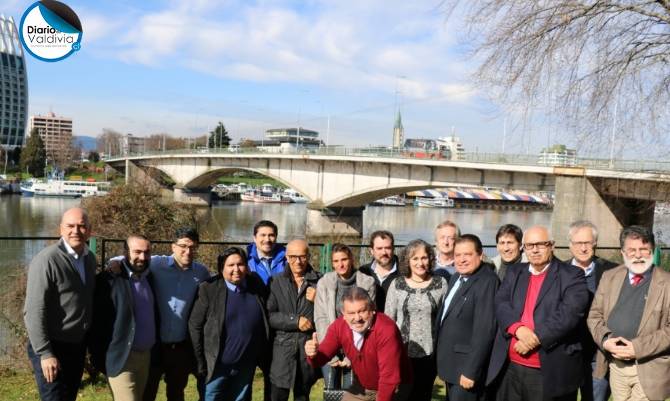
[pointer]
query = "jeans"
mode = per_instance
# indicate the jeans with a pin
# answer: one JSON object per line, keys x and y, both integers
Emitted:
{"x": 231, "y": 384}
{"x": 336, "y": 378}
{"x": 66, "y": 385}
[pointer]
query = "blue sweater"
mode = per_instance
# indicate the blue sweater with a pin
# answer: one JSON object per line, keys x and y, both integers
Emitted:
{"x": 244, "y": 329}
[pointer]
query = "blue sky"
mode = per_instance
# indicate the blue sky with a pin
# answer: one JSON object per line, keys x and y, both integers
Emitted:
{"x": 180, "y": 66}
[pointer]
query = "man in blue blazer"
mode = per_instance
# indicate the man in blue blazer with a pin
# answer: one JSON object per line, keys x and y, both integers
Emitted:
{"x": 537, "y": 354}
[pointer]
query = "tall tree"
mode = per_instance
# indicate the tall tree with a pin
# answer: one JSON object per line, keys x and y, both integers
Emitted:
{"x": 589, "y": 65}
{"x": 33, "y": 155}
{"x": 109, "y": 142}
{"x": 219, "y": 137}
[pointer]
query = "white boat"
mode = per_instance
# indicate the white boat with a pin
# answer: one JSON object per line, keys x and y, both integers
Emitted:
{"x": 247, "y": 196}
{"x": 395, "y": 200}
{"x": 293, "y": 196}
{"x": 64, "y": 188}
{"x": 433, "y": 202}
{"x": 267, "y": 197}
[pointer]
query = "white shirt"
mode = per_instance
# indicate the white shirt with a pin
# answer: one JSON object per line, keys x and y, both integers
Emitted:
{"x": 358, "y": 339}
{"x": 382, "y": 278}
{"x": 447, "y": 302}
{"x": 588, "y": 270}
{"x": 77, "y": 260}
{"x": 536, "y": 273}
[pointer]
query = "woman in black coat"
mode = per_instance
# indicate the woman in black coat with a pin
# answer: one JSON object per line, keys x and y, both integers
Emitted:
{"x": 291, "y": 313}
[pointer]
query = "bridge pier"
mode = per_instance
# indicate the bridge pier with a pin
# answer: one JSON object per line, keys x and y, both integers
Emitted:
{"x": 138, "y": 176}
{"x": 334, "y": 223}
{"x": 581, "y": 198}
{"x": 193, "y": 197}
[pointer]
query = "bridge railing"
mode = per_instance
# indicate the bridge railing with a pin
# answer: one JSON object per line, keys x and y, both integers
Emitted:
{"x": 653, "y": 166}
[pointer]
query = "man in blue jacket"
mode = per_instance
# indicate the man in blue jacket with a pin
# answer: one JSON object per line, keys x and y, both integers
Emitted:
{"x": 267, "y": 259}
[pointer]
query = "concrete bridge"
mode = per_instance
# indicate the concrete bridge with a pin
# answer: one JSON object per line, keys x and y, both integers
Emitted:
{"x": 340, "y": 182}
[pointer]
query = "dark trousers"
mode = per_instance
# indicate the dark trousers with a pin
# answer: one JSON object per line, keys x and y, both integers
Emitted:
{"x": 425, "y": 371}
{"x": 264, "y": 364}
{"x": 521, "y": 383}
{"x": 66, "y": 385}
{"x": 594, "y": 389}
{"x": 300, "y": 389}
{"x": 457, "y": 393}
{"x": 176, "y": 363}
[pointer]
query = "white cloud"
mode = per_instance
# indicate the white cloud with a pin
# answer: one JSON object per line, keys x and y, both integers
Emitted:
{"x": 362, "y": 45}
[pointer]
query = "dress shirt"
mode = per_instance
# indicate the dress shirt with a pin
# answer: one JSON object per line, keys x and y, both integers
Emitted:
{"x": 589, "y": 270}
{"x": 143, "y": 310}
{"x": 358, "y": 339}
{"x": 645, "y": 276}
{"x": 77, "y": 260}
{"x": 236, "y": 287}
{"x": 447, "y": 302}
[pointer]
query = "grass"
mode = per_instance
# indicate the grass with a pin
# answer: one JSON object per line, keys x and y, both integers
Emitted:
{"x": 19, "y": 386}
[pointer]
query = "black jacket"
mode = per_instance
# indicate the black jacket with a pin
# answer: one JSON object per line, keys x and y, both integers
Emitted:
{"x": 285, "y": 306}
{"x": 113, "y": 328}
{"x": 561, "y": 305}
{"x": 382, "y": 289}
{"x": 207, "y": 325}
{"x": 465, "y": 336}
{"x": 589, "y": 346}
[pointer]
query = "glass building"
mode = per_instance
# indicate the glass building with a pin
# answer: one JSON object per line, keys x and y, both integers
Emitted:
{"x": 13, "y": 86}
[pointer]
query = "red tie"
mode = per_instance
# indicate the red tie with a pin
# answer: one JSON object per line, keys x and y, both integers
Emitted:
{"x": 637, "y": 278}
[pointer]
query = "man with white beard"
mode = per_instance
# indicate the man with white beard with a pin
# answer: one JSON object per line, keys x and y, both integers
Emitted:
{"x": 630, "y": 322}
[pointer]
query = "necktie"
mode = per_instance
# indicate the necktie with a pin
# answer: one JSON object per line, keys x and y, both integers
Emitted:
{"x": 637, "y": 278}
{"x": 450, "y": 297}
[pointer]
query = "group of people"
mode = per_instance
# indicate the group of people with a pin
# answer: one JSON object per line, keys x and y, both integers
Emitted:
{"x": 521, "y": 326}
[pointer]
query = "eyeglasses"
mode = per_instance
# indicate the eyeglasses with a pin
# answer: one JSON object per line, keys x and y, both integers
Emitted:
{"x": 293, "y": 258}
{"x": 539, "y": 245}
{"x": 588, "y": 244}
{"x": 630, "y": 252}
{"x": 184, "y": 247}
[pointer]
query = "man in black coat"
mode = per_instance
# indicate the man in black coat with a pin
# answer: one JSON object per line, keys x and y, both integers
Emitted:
{"x": 583, "y": 237}
{"x": 291, "y": 313}
{"x": 467, "y": 324}
{"x": 537, "y": 354}
{"x": 384, "y": 266}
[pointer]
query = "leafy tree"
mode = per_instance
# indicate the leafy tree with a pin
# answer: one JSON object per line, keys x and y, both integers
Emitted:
{"x": 219, "y": 137}
{"x": 247, "y": 143}
{"x": 586, "y": 64}
{"x": 33, "y": 156}
{"x": 93, "y": 156}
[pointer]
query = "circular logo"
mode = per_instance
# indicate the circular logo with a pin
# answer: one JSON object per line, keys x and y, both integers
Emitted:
{"x": 50, "y": 30}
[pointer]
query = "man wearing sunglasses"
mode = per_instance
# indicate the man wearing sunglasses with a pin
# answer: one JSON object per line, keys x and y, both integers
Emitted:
{"x": 537, "y": 355}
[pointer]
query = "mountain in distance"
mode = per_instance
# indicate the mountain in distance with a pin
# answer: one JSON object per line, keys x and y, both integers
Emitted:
{"x": 87, "y": 143}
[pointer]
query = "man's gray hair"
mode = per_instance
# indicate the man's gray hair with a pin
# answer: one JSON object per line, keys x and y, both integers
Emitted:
{"x": 578, "y": 225}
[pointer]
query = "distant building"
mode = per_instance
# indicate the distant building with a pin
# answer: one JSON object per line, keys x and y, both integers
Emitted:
{"x": 55, "y": 131}
{"x": 13, "y": 87}
{"x": 398, "y": 132}
{"x": 558, "y": 155}
{"x": 132, "y": 144}
{"x": 286, "y": 140}
{"x": 453, "y": 143}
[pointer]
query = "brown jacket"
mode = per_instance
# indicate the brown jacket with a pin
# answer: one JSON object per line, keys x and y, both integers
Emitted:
{"x": 652, "y": 344}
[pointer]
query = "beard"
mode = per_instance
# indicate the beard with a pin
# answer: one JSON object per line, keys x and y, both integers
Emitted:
{"x": 638, "y": 265}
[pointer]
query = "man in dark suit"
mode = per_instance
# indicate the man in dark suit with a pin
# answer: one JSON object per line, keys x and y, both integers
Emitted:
{"x": 467, "y": 324}
{"x": 537, "y": 355}
{"x": 583, "y": 237}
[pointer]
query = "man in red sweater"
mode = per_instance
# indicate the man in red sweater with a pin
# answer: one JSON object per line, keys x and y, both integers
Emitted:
{"x": 373, "y": 343}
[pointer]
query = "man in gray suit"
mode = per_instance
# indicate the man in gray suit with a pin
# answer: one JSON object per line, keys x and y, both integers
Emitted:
{"x": 58, "y": 308}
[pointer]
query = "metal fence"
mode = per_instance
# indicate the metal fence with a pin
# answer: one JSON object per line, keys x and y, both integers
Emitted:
{"x": 16, "y": 253}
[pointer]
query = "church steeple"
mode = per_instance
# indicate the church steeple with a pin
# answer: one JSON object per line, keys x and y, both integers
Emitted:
{"x": 398, "y": 132}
